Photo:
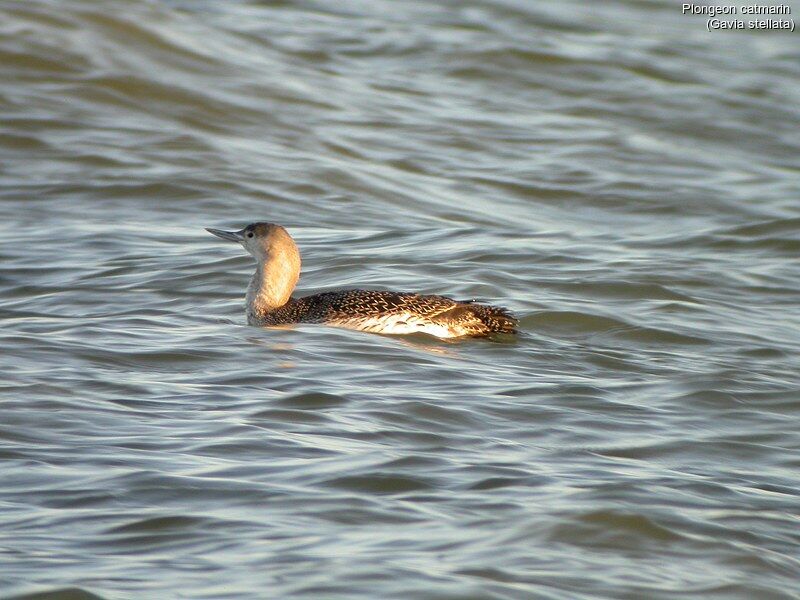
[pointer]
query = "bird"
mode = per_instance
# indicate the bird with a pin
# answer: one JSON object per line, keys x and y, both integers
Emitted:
{"x": 269, "y": 298}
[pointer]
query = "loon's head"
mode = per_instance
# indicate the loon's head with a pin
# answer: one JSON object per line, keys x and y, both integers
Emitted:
{"x": 277, "y": 263}
{"x": 262, "y": 240}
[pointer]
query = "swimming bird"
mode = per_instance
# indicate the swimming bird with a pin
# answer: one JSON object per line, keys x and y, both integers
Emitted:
{"x": 270, "y": 302}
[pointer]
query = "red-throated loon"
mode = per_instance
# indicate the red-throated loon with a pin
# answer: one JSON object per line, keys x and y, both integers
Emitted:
{"x": 270, "y": 302}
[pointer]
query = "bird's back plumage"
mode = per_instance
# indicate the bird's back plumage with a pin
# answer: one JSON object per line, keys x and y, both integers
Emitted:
{"x": 393, "y": 313}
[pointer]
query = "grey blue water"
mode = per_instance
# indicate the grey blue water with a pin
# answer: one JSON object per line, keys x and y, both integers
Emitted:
{"x": 627, "y": 182}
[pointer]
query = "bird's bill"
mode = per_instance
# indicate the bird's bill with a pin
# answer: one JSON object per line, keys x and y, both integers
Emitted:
{"x": 231, "y": 236}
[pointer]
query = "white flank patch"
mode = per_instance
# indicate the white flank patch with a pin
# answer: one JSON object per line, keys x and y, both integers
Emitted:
{"x": 399, "y": 324}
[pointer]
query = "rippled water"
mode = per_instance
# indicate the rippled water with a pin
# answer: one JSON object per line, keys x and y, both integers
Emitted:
{"x": 625, "y": 181}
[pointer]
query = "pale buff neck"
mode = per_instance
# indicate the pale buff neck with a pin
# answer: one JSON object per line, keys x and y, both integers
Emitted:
{"x": 275, "y": 278}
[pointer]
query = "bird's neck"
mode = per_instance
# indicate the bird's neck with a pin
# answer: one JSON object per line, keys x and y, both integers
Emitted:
{"x": 273, "y": 282}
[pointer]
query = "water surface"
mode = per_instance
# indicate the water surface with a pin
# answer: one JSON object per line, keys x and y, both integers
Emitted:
{"x": 625, "y": 181}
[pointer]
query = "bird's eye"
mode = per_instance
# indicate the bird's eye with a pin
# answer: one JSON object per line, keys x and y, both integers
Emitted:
{"x": 249, "y": 234}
